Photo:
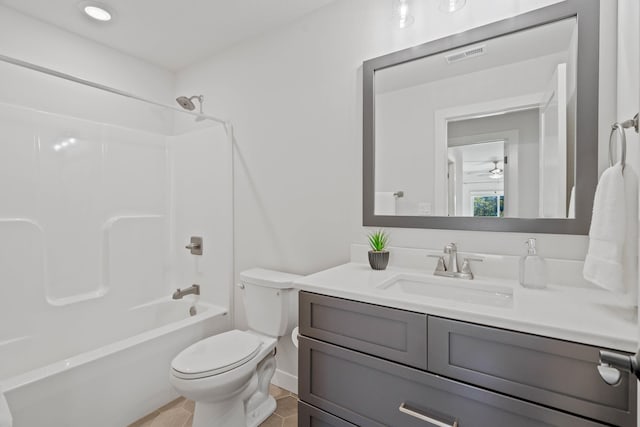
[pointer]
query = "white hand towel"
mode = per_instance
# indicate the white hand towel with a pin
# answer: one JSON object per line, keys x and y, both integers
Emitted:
{"x": 630, "y": 260}
{"x": 5, "y": 415}
{"x": 603, "y": 265}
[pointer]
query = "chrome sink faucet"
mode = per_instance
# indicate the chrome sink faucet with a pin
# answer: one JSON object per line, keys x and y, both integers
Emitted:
{"x": 180, "y": 293}
{"x": 451, "y": 268}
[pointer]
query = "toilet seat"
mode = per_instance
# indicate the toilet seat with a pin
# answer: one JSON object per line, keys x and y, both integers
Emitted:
{"x": 216, "y": 355}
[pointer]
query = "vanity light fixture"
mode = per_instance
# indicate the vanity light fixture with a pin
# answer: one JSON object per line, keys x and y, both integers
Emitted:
{"x": 450, "y": 6}
{"x": 401, "y": 13}
{"x": 96, "y": 11}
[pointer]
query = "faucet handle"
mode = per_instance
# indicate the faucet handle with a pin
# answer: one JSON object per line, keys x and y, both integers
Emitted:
{"x": 466, "y": 265}
{"x": 440, "y": 266}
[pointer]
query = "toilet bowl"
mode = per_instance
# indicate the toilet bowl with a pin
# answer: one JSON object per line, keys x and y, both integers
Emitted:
{"x": 228, "y": 374}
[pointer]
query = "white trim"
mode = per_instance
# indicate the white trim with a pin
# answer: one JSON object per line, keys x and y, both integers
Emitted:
{"x": 558, "y": 205}
{"x": 442, "y": 117}
{"x": 286, "y": 381}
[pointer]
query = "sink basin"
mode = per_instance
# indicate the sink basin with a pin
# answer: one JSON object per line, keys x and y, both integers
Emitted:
{"x": 466, "y": 291}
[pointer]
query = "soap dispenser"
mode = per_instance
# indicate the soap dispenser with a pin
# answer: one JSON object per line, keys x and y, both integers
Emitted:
{"x": 533, "y": 268}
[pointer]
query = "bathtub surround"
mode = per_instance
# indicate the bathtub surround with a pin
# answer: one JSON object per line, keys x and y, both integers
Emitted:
{"x": 99, "y": 206}
{"x": 6, "y": 420}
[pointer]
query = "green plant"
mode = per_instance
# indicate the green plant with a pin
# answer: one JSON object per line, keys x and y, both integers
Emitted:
{"x": 378, "y": 240}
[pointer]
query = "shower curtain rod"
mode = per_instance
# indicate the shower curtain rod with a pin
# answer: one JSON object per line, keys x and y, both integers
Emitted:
{"x": 99, "y": 86}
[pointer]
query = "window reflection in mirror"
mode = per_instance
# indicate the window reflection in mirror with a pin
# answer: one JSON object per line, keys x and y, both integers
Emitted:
{"x": 484, "y": 130}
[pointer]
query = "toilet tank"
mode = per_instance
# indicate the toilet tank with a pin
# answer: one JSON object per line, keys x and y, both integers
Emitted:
{"x": 268, "y": 296}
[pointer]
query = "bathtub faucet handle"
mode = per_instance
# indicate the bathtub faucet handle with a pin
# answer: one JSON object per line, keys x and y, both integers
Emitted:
{"x": 195, "y": 245}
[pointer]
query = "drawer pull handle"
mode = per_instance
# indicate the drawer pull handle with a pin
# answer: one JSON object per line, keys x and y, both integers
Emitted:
{"x": 416, "y": 414}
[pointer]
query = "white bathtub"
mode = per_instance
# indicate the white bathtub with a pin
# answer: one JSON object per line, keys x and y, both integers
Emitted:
{"x": 112, "y": 384}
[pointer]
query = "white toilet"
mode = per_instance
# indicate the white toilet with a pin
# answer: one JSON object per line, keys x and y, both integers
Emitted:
{"x": 228, "y": 375}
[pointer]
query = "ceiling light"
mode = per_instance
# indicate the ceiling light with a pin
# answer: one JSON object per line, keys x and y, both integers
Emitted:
{"x": 97, "y": 12}
{"x": 496, "y": 172}
{"x": 401, "y": 13}
{"x": 450, "y": 6}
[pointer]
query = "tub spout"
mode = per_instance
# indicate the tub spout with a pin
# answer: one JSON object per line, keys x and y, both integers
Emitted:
{"x": 193, "y": 289}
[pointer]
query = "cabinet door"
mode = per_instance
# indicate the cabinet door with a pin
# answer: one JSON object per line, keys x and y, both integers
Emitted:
{"x": 551, "y": 372}
{"x": 308, "y": 416}
{"x": 389, "y": 333}
{"x": 368, "y": 391}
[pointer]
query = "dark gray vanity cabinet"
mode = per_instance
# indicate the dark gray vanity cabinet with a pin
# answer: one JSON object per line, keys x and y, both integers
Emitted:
{"x": 385, "y": 332}
{"x": 547, "y": 371}
{"x": 367, "y": 365}
{"x": 310, "y": 416}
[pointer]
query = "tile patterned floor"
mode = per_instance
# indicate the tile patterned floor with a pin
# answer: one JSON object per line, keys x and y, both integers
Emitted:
{"x": 179, "y": 413}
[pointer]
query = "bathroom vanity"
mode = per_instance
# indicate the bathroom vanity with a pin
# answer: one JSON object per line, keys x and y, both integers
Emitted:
{"x": 375, "y": 355}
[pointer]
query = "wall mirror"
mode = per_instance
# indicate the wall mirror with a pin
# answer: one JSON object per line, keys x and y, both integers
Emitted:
{"x": 491, "y": 129}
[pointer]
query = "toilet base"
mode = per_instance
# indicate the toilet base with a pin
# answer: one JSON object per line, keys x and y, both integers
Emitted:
{"x": 232, "y": 413}
{"x": 249, "y": 406}
{"x": 229, "y": 413}
{"x": 261, "y": 413}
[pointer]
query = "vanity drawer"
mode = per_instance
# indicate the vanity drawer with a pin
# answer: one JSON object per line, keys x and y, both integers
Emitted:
{"x": 389, "y": 333}
{"x": 551, "y": 372}
{"x": 368, "y": 391}
{"x": 309, "y": 416}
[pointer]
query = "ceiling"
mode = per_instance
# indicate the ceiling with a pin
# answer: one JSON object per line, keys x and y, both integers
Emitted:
{"x": 170, "y": 33}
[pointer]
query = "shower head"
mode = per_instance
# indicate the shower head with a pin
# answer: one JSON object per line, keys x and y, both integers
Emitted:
{"x": 188, "y": 104}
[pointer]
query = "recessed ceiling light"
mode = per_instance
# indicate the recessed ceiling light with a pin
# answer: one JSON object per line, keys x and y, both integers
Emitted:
{"x": 96, "y": 11}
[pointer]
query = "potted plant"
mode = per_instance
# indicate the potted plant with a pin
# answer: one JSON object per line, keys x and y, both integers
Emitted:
{"x": 378, "y": 255}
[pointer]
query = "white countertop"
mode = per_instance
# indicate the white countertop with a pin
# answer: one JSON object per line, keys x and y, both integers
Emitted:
{"x": 584, "y": 315}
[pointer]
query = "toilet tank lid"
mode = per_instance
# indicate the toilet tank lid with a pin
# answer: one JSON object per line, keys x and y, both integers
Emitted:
{"x": 268, "y": 278}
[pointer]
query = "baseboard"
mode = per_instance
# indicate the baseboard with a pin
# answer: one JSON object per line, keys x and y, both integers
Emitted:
{"x": 285, "y": 380}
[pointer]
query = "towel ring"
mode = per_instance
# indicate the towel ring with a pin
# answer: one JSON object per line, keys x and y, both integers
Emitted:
{"x": 623, "y": 141}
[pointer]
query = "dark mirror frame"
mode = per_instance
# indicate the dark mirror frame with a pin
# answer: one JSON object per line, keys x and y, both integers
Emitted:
{"x": 587, "y": 13}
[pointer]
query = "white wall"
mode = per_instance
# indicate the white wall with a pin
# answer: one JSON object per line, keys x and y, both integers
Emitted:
{"x": 294, "y": 96}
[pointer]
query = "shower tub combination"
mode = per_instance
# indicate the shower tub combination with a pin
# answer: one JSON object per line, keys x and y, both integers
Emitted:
{"x": 116, "y": 383}
{"x": 98, "y": 199}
